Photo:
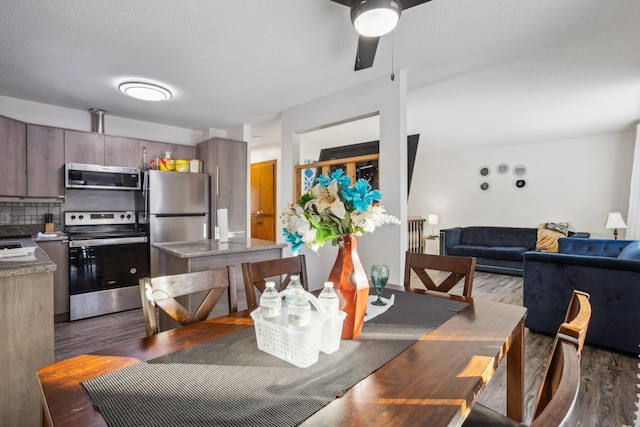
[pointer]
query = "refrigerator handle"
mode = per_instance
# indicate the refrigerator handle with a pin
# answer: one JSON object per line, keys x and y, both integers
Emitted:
{"x": 145, "y": 194}
{"x": 217, "y": 180}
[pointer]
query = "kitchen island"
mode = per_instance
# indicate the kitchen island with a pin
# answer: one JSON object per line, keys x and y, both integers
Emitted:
{"x": 26, "y": 316}
{"x": 200, "y": 255}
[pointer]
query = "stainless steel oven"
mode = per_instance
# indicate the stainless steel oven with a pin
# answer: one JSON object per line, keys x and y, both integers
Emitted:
{"x": 107, "y": 257}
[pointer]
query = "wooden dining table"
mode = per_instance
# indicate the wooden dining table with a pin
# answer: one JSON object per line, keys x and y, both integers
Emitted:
{"x": 434, "y": 382}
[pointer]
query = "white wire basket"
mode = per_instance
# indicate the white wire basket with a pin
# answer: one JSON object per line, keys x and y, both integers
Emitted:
{"x": 299, "y": 347}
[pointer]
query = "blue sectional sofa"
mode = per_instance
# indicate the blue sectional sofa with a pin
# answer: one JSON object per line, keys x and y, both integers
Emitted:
{"x": 609, "y": 270}
{"x": 496, "y": 249}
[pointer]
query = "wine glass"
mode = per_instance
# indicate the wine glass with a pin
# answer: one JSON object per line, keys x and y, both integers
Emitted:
{"x": 379, "y": 277}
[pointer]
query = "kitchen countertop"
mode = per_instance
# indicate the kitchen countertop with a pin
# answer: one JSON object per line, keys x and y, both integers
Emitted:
{"x": 39, "y": 262}
{"x": 51, "y": 237}
{"x": 201, "y": 248}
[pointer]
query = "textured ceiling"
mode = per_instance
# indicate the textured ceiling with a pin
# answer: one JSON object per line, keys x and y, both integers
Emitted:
{"x": 485, "y": 72}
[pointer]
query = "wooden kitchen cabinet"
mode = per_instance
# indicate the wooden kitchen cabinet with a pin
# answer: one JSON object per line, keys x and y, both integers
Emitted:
{"x": 226, "y": 161}
{"x": 178, "y": 151}
{"x": 58, "y": 253}
{"x": 120, "y": 151}
{"x": 13, "y": 140}
{"x": 83, "y": 147}
{"x": 26, "y": 317}
{"x": 45, "y": 161}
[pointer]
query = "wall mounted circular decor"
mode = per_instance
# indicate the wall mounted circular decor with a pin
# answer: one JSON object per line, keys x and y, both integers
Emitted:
{"x": 484, "y": 171}
{"x": 502, "y": 168}
{"x": 484, "y": 186}
{"x": 520, "y": 183}
{"x": 519, "y": 170}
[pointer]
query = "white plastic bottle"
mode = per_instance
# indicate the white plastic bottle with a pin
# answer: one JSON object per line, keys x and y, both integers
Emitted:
{"x": 328, "y": 299}
{"x": 292, "y": 289}
{"x": 270, "y": 309}
{"x": 299, "y": 311}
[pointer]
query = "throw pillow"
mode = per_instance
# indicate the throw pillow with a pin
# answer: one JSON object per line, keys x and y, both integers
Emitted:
{"x": 548, "y": 235}
{"x": 631, "y": 251}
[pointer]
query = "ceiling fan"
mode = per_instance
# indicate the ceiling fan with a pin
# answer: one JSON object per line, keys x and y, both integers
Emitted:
{"x": 372, "y": 19}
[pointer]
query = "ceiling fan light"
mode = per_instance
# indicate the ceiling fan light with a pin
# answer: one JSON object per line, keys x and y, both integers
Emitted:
{"x": 145, "y": 91}
{"x": 374, "y": 18}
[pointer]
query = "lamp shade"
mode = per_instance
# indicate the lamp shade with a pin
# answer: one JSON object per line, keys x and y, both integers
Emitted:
{"x": 614, "y": 220}
{"x": 432, "y": 219}
{"x": 374, "y": 18}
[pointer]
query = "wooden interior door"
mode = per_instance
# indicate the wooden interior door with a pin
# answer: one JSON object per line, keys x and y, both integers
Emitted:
{"x": 263, "y": 200}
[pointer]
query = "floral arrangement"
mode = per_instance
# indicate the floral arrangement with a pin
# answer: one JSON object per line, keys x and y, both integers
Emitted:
{"x": 332, "y": 208}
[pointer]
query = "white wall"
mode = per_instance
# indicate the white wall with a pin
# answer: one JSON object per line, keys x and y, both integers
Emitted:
{"x": 575, "y": 180}
{"x": 67, "y": 118}
{"x": 355, "y": 132}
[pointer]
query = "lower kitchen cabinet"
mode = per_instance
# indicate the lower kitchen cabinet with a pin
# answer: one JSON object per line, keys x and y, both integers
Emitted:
{"x": 58, "y": 252}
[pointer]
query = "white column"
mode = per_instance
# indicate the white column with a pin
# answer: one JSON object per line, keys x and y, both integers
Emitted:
{"x": 379, "y": 96}
{"x": 633, "y": 216}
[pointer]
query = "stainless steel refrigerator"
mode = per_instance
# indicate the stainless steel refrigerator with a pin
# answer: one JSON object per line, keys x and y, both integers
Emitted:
{"x": 176, "y": 207}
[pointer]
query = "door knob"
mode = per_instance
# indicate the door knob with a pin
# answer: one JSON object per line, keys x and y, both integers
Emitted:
{"x": 259, "y": 212}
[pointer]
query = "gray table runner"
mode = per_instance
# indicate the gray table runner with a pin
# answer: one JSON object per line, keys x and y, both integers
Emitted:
{"x": 229, "y": 382}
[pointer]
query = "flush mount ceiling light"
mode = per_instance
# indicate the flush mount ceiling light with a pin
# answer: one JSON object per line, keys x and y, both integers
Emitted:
{"x": 145, "y": 91}
{"x": 374, "y": 18}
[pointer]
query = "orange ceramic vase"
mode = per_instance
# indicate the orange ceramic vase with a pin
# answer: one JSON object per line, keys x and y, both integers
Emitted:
{"x": 349, "y": 277}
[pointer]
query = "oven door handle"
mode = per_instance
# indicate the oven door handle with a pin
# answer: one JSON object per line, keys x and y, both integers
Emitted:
{"x": 106, "y": 242}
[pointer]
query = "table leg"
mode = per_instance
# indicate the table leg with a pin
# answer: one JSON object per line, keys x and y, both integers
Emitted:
{"x": 515, "y": 377}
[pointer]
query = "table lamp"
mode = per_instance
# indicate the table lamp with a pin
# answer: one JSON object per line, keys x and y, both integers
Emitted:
{"x": 615, "y": 221}
{"x": 432, "y": 220}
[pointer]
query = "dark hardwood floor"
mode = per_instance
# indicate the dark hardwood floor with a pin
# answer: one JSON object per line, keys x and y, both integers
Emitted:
{"x": 608, "y": 385}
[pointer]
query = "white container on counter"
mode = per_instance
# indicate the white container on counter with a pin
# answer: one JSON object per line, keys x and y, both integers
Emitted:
{"x": 195, "y": 166}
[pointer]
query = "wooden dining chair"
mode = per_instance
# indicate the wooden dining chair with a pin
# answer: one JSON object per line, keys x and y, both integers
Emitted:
{"x": 559, "y": 389}
{"x": 458, "y": 268}
{"x": 256, "y": 273}
{"x": 162, "y": 292}
{"x": 577, "y": 318}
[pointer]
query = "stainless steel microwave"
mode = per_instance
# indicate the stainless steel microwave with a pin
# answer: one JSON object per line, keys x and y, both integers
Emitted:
{"x": 79, "y": 175}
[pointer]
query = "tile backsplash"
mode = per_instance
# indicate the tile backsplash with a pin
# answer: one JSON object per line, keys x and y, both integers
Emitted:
{"x": 29, "y": 213}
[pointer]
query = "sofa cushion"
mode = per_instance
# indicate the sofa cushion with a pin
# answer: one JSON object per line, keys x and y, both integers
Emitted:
{"x": 631, "y": 251}
{"x": 506, "y": 253}
{"x": 548, "y": 235}
{"x": 499, "y": 236}
{"x": 592, "y": 247}
{"x": 464, "y": 250}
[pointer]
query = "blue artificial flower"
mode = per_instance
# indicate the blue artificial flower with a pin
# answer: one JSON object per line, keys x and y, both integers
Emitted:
{"x": 294, "y": 239}
{"x": 338, "y": 175}
{"x": 361, "y": 196}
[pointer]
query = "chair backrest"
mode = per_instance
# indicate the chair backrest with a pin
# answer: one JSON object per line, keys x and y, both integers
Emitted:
{"x": 561, "y": 382}
{"x": 256, "y": 273}
{"x": 458, "y": 268}
{"x": 162, "y": 291}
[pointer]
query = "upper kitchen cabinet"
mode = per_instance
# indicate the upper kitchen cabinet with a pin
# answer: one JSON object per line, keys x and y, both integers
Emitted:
{"x": 13, "y": 140}
{"x": 83, "y": 147}
{"x": 121, "y": 152}
{"x": 226, "y": 161}
{"x": 178, "y": 151}
{"x": 45, "y": 161}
